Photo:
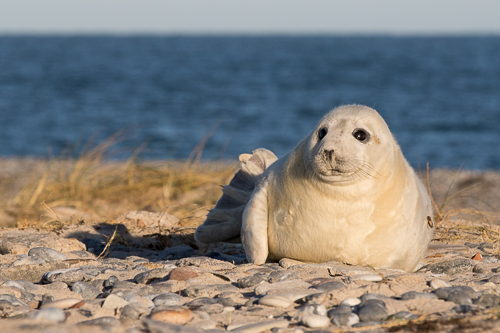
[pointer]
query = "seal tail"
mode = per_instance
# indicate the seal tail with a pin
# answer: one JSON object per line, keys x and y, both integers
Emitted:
{"x": 223, "y": 223}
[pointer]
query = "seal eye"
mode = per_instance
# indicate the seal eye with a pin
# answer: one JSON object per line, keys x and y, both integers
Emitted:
{"x": 322, "y": 133}
{"x": 361, "y": 135}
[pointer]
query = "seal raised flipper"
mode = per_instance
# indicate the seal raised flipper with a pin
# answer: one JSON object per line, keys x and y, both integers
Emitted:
{"x": 224, "y": 221}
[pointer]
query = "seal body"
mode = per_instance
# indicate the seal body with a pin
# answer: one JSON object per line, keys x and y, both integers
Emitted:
{"x": 345, "y": 193}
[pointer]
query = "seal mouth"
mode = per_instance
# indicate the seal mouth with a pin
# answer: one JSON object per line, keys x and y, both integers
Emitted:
{"x": 341, "y": 170}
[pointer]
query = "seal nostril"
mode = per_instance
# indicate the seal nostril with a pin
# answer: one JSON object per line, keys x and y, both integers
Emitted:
{"x": 329, "y": 153}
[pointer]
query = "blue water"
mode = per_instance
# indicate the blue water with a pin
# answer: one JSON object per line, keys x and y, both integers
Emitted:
{"x": 440, "y": 96}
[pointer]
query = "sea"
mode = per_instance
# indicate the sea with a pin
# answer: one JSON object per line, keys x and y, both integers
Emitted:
{"x": 169, "y": 97}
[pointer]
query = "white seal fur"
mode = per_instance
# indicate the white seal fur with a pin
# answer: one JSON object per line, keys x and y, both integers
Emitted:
{"x": 345, "y": 193}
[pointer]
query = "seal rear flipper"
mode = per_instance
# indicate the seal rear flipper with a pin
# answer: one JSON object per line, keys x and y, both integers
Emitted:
{"x": 223, "y": 223}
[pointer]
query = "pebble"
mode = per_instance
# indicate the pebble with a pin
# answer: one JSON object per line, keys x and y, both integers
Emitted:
{"x": 208, "y": 290}
{"x": 68, "y": 276}
{"x": 103, "y": 322}
{"x": 282, "y": 275}
{"x": 310, "y": 309}
{"x": 315, "y": 321}
{"x": 439, "y": 283}
{"x": 151, "y": 275}
{"x": 10, "y": 283}
{"x": 275, "y": 301}
{"x": 413, "y": 295}
{"x": 489, "y": 301}
{"x": 128, "y": 311}
{"x": 110, "y": 282}
{"x": 370, "y": 296}
{"x": 141, "y": 301}
{"x": 345, "y": 319}
{"x": 251, "y": 281}
{"x": 402, "y": 315}
{"x": 61, "y": 304}
{"x": 443, "y": 293}
{"x": 114, "y": 302}
{"x": 329, "y": 286}
{"x": 339, "y": 309}
{"x": 495, "y": 279}
{"x": 460, "y": 298}
{"x": 168, "y": 299}
{"x": 366, "y": 277}
{"x": 351, "y": 301}
{"x": 48, "y": 315}
{"x": 28, "y": 285}
{"x": 372, "y": 310}
{"x": 176, "y": 252}
{"x": 182, "y": 274}
{"x": 47, "y": 254}
{"x": 27, "y": 260}
{"x": 178, "y": 316}
{"x": 450, "y": 267}
{"x": 260, "y": 327}
{"x": 86, "y": 290}
{"x": 12, "y": 300}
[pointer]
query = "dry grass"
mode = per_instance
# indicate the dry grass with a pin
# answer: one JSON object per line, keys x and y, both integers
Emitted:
{"x": 104, "y": 189}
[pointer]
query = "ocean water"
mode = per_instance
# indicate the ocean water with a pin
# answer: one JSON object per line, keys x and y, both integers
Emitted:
{"x": 439, "y": 96}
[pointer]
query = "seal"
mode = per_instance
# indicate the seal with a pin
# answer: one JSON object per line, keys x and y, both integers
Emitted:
{"x": 345, "y": 193}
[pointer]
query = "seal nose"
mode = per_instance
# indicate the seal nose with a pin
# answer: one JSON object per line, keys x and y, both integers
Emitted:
{"x": 329, "y": 154}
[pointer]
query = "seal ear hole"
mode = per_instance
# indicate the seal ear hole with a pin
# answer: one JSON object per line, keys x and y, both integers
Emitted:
{"x": 361, "y": 135}
{"x": 322, "y": 133}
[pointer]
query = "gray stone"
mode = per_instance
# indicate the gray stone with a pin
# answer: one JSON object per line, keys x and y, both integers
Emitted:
{"x": 151, "y": 275}
{"x": 86, "y": 290}
{"x": 450, "y": 267}
{"x": 282, "y": 275}
{"x": 130, "y": 311}
{"x": 110, "y": 282}
{"x": 28, "y": 285}
{"x": 370, "y": 296}
{"x": 205, "y": 262}
{"x": 339, "y": 309}
{"x": 344, "y": 319}
{"x": 413, "y": 295}
{"x": 403, "y": 315}
{"x": 495, "y": 279}
{"x": 315, "y": 321}
{"x": 176, "y": 252}
{"x": 68, "y": 276}
{"x": 10, "y": 283}
{"x": 208, "y": 290}
{"x": 12, "y": 300}
{"x": 168, "y": 299}
{"x": 329, "y": 286}
{"x": 489, "y": 301}
{"x": 372, "y": 310}
{"x": 443, "y": 293}
{"x": 465, "y": 308}
{"x": 48, "y": 315}
{"x": 103, "y": 322}
{"x": 253, "y": 280}
{"x": 459, "y": 297}
{"x": 27, "y": 260}
{"x": 47, "y": 254}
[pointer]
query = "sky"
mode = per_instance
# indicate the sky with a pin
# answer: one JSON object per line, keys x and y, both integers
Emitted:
{"x": 399, "y": 17}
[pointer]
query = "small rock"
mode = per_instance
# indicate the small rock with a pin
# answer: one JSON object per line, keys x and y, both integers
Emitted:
{"x": 260, "y": 327}
{"x": 182, "y": 274}
{"x": 86, "y": 290}
{"x": 61, "y": 304}
{"x": 310, "y": 309}
{"x": 68, "y": 276}
{"x": 151, "y": 275}
{"x": 129, "y": 311}
{"x": 450, "y": 267}
{"x": 48, "y": 315}
{"x": 250, "y": 281}
{"x": 275, "y": 301}
{"x": 282, "y": 275}
{"x": 114, "y": 302}
{"x": 205, "y": 262}
{"x": 403, "y": 315}
{"x": 339, "y": 309}
{"x": 26, "y": 260}
{"x": 495, "y": 279}
{"x": 443, "y": 293}
{"x": 489, "y": 301}
{"x": 47, "y": 254}
{"x": 12, "y": 300}
{"x": 329, "y": 286}
{"x": 178, "y": 316}
{"x": 28, "y": 285}
{"x": 439, "y": 283}
{"x": 345, "y": 319}
{"x": 370, "y": 296}
{"x": 176, "y": 252}
{"x": 366, "y": 277}
{"x": 459, "y": 297}
{"x": 413, "y": 295}
{"x": 10, "y": 283}
{"x": 110, "y": 282}
{"x": 168, "y": 299}
{"x": 315, "y": 321}
{"x": 140, "y": 301}
{"x": 208, "y": 290}
{"x": 372, "y": 310}
{"x": 465, "y": 308}
{"x": 103, "y": 322}
{"x": 351, "y": 301}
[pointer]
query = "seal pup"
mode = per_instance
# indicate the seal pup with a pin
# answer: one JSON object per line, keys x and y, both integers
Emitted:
{"x": 345, "y": 193}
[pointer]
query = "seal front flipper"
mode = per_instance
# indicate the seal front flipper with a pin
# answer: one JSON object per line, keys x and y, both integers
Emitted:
{"x": 224, "y": 221}
{"x": 254, "y": 228}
